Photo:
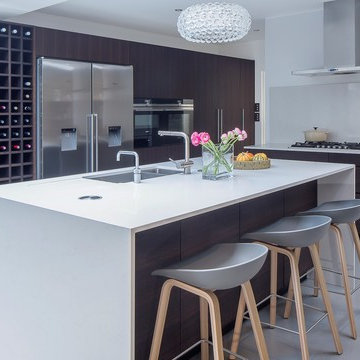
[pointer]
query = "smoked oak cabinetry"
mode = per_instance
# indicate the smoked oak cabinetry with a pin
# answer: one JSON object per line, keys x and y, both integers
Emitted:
{"x": 16, "y": 103}
{"x": 225, "y": 95}
{"x": 164, "y": 245}
{"x": 222, "y": 87}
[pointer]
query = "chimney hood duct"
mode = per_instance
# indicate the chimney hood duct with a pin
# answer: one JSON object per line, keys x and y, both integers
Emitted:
{"x": 341, "y": 39}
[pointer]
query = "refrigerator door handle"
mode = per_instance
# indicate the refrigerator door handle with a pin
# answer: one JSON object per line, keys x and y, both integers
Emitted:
{"x": 90, "y": 142}
{"x": 96, "y": 141}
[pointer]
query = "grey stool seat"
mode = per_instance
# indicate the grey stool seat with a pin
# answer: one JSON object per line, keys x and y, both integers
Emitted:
{"x": 223, "y": 266}
{"x": 294, "y": 231}
{"x": 342, "y": 211}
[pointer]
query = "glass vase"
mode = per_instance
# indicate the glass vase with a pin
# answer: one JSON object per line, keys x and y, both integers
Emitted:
{"x": 217, "y": 162}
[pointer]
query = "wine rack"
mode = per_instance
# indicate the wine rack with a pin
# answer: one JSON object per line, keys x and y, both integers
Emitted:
{"x": 16, "y": 103}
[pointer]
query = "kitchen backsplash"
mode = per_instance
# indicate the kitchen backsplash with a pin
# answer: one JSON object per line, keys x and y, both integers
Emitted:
{"x": 335, "y": 107}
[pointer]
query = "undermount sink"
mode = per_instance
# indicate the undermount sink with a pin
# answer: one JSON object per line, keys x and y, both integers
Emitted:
{"x": 129, "y": 176}
{"x": 161, "y": 171}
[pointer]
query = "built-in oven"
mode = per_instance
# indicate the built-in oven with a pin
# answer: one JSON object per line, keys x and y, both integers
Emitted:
{"x": 152, "y": 115}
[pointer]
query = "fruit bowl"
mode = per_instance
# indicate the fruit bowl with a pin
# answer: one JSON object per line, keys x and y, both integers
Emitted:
{"x": 248, "y": 161}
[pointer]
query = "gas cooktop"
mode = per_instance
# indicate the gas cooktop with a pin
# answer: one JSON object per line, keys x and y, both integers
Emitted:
{"x": 327, "y": 145}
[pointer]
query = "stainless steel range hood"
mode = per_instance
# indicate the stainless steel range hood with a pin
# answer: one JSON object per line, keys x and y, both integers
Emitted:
{"x": 341, "y": 39}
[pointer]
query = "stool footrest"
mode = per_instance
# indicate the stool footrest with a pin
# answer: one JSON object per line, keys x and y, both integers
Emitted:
{"x": 325, "y": 314}
{"x": 353, "y": 290}
{"x": 201, "y": 341}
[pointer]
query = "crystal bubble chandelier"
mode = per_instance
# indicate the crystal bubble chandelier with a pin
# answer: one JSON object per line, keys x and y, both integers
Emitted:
{"x": 214, "y": 22}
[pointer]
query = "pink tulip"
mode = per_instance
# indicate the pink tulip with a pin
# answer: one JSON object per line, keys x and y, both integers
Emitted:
{"x": 204, "y": 137}
{"x": 195, "y": 139}
{"x": 237, "y": 131}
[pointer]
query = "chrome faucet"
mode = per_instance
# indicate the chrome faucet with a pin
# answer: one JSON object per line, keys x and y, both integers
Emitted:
{"x": 137, "y": 170}
{"x": 187, "y": 163}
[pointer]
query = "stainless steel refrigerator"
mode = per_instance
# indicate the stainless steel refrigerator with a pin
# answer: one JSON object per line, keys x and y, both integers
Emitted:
{"x": 84, "y": 116}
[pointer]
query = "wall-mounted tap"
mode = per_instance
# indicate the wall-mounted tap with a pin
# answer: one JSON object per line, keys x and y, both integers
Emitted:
{"x": 137, "y": 170}
{"x": 187, "y": 163}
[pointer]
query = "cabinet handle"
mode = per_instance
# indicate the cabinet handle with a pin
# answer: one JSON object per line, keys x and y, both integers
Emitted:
{"x": 221, "y": 123}
{"x": 218, "y": 125}
{"x": 243, "y": 119}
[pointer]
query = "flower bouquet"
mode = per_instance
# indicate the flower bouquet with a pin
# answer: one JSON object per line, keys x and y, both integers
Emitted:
{"x": 217, "y": 158}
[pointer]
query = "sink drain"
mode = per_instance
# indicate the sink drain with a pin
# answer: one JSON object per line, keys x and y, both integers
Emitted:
{"x": 90, "y": 197}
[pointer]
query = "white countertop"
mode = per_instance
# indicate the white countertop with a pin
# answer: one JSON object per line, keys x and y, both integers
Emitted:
{"x": 164, "y": 199}
{"x": 287, "y": 147}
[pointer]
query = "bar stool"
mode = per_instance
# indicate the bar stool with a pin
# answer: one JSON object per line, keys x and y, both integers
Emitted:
{"x": 340, "y": 212}
{"x": 223, "y": 266}
{"x": 285, "y": 236}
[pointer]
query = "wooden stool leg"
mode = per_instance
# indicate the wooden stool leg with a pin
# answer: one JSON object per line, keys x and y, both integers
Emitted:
{"x": 273, "y": 286}
{"x": 204, "y": 328}
{"x": 299, "y": 305}
{"x": 160, "y": 319}
{"x": 326, "y": 297}
{"x": 316, "y": 282}
{"x": 356, "y": 239}
{"x": 216, "y": 330}
{"x": 295, "y": 279}
{"x": 345, "y": 276}
{"x": 290, "y": 294}
{"x": 255, "y": 320}
{"x": 238, "y": 325}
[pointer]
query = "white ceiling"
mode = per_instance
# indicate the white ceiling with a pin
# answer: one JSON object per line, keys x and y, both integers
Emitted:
{"x": 10, "y": 8}
{"x": 159, "y": 16}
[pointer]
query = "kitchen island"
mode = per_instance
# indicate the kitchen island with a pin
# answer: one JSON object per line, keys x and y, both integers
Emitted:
{"x": 75, "y": 274}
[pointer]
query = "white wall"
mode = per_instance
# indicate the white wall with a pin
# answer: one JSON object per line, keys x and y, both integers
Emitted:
{"x": 253, "y": 50}
{"x": 293, "y": 43}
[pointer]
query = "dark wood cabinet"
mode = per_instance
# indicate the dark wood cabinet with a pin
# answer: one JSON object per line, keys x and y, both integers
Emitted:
{"x": 156, "y": 248}
{"x": 162, "y": 72}
{"x": 295, "y": 155}
{"x": 225, "y": 95}
{"x": 17, "y": 100}
{"x": 82, "y": 47}
{"x": 219, "y": 85}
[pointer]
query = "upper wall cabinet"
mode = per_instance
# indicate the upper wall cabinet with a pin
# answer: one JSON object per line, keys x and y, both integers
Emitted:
{"x": 82, "y": 47}
{"x": 161, "y": 72}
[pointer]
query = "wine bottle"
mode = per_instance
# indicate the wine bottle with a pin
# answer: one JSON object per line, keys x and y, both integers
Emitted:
{"x": 3, "y": 147}
{"x": 27, "y": 146}
{"x": 27, "y": 83}
{"x": 3, "y": 134}
{"x": 2, "y": 122}
{"x": 27, "y": 96}
{"x": 15, "y": 108}
{"x": 14, "y": 31}
{"x": 27, "y": 33}
{"x": 3, "y": 30}
{"x": 15, "y": 134}
{"x": 15, "y": 121}
{"x": 3, "y": 108}
{"x": 27, "y": 121}
{"x": 27, "y": 108}
{"x": 16, "y": 147}
{"x": 27, "y": 133}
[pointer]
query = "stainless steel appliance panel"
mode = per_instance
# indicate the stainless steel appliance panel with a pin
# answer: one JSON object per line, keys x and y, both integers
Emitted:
{"x": 112, "y": 91}
{"x": 64, "y": 102}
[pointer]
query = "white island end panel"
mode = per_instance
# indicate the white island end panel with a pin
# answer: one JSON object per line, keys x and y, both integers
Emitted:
{"x": 75, "y": 275}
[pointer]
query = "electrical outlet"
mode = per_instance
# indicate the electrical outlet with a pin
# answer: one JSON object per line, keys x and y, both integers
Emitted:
{"x": 257, "y": 107}
{"x": 256, "y": 116}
